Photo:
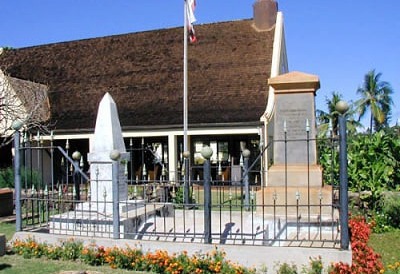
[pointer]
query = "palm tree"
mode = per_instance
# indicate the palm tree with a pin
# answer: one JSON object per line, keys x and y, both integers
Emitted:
{"x": 376, "y": 97}
{"x": 330, "y": 120}
{"x": 331, "y": 116}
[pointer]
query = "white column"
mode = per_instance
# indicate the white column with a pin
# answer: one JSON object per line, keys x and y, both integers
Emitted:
{"x": 266, "y": 155}
{"x": 172, "y": 156}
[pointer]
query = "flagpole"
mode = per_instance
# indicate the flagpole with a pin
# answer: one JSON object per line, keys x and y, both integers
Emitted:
{"x": 185, "y": 78}
{"x": 185, "y": 104}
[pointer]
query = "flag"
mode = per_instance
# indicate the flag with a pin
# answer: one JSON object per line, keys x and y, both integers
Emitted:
{"x": 190, "y": 7}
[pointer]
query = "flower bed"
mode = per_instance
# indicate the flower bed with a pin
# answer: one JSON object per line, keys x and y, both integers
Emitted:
{"x": 131, "y": 258}
{"x": 364, "y": 259}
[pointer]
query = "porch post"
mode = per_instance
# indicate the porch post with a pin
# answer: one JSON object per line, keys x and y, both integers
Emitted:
{"x": 172, "y": 158}
{"x": 17, "y": 175}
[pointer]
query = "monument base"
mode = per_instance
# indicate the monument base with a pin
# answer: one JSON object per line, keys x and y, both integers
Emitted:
{"x": 298, "y": 202}
{"x": 295, "y": 175}
{"x": 87, "y": 221}
{"x": 106, "y": 207}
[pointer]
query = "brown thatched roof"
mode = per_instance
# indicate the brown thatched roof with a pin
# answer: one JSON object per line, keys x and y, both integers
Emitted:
{"x": 228, "y": 71}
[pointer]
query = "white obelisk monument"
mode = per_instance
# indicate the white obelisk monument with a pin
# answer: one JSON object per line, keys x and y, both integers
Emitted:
{"x": 107, "y": 137}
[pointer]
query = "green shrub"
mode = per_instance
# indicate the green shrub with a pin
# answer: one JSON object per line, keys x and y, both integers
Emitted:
{"x": 29, "y": 177}
{"x": 379, "y": 223}
{"x": 179, "y": 196}
{"x": 6, "y": 178}
{"x": 71, "y": 250}
{"x": 391, "y": 209}
{"x": 387, "y": 215}
{"x": 373, "y": 161}
{"x": 316, "y": 266}
{"x": 286, "y": 268}
{"x": 53, "y": 252}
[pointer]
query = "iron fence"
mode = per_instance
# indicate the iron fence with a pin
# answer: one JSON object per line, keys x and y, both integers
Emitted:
{"x": 55, "y": 196}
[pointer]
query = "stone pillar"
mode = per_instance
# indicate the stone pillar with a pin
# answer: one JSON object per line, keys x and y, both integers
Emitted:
{"x": 295, "y": 161}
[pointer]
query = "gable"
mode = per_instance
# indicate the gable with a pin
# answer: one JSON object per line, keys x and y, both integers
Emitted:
{"x": 21, "y": 100}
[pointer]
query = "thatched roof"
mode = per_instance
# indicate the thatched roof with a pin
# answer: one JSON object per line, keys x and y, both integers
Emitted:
{"x": 228, "y": 71}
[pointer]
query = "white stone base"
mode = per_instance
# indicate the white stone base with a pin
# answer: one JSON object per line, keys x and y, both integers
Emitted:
{"x": 86, "y": 220}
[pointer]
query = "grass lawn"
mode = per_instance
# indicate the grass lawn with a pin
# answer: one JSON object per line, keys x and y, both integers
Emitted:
{"x": 388, "y": 245}
{"x": 8, "y": 229}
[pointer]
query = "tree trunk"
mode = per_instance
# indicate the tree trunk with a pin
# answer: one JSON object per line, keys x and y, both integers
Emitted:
{"x": 370, "y": 123}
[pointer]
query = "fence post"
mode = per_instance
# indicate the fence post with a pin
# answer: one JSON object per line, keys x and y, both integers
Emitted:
{"x": 115, "y": 155}
{"x": 16, "y": 125}
{"x": 246, "y": 155}
{"x": 76, "y": 156}
{"x": 206, "y": 152}
{"x": 342, "y": 107}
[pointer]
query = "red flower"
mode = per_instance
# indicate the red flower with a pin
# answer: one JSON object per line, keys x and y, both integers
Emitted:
{"x": 364, "y": 259}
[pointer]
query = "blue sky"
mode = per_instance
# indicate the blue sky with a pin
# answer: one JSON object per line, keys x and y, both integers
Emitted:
{"x": 340, "y": 41}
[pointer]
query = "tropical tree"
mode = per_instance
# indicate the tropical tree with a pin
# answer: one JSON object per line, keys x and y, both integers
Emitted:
{"x": 330, "y": 120}
{"x": 331, "y": 116}
{"x": 375, "y": 98}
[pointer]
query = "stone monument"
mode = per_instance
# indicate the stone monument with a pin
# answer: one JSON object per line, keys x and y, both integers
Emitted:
{"x": 295, "y": 158}
{"x": 95, "y": 217}
{"x": 107, "y": 137}
{"x": 295, "y": 179}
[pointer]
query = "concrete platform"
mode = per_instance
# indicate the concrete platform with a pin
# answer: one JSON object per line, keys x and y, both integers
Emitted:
{"x": 243, "y": 228}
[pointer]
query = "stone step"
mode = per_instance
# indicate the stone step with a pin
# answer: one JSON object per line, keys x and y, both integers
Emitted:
{"x": 297, "y": 201}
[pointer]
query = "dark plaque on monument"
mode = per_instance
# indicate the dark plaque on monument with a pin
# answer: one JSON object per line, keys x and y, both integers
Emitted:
{"x": 295, "y": 116}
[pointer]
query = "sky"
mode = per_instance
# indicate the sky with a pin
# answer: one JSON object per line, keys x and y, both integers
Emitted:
{"x": 339, "y": 41}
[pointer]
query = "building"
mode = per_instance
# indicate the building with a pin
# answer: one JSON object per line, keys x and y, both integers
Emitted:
{"x": 230, "y": 102}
